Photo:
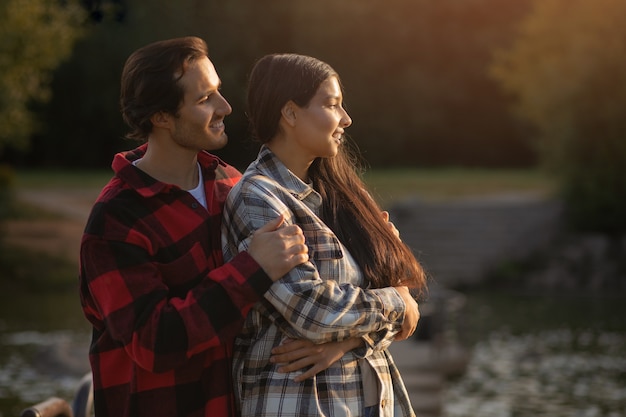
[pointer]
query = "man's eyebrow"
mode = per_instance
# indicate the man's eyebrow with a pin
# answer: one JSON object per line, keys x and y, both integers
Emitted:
{"x": 209, "y": 91}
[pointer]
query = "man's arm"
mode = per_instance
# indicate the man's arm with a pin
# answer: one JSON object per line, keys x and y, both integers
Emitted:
{"x": 278, "y": 248}
{"x": 294, "y": 355}
{"x": 124, "y": 289}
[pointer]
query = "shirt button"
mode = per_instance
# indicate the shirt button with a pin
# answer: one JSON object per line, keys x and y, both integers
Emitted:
{"x": 194, "y": 205}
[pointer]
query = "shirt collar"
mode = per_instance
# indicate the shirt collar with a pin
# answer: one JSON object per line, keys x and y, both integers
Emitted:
{"x": 269, "y": 165}
{"x": 143, "y": 183}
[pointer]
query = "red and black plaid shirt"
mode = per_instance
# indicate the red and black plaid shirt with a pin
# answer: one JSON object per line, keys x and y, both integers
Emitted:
{"x": 164, "y": 307}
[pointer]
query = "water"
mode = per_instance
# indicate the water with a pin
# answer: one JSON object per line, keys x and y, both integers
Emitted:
{"x": 552, "y": 373}
{"x": 542, "y": 356}
{"x": 43, "y": 348}
{"x": 531, "y": 355}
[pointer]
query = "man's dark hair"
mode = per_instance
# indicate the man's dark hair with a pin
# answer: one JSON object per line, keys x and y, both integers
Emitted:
{"x": 150, "y": 81}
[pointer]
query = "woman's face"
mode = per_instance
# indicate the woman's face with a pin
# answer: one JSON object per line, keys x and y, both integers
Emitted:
{"x": 320, "y": 126}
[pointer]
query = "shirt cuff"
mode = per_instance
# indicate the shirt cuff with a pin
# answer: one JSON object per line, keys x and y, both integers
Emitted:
{"x": 393, "y": 305}
{"x": 254, "y": 275}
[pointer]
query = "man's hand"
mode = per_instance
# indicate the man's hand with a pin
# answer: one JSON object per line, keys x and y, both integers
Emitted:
{"x": 298, "y": 354}
{"x": 392, "y": 226}
{"x": 411, "y": 314}
{"x": 278, "y": 248}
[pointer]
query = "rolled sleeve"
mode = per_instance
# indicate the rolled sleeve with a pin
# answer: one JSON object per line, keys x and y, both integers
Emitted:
{"x": 317, "y": 308}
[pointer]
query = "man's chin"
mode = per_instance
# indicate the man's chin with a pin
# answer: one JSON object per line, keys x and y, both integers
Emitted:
{"x": 217, "y": 144}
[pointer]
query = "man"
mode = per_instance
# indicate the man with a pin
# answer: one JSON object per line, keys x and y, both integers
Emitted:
{"x": 163, "y": 305}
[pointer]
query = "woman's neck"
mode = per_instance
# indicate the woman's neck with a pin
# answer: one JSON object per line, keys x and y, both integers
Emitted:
{"x": 293, "y": 159}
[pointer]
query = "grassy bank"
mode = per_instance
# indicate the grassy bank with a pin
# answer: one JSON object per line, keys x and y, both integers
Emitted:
{"x": 391, "y": 184}
{"x": 29, "y": 269}
{"x": 47, "y": 179}
{"x": 35, "y": 271}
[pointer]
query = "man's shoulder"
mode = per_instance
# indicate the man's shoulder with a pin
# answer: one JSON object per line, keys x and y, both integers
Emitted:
{"x": 115, "y": 198}
{"x": 113, "y": 191}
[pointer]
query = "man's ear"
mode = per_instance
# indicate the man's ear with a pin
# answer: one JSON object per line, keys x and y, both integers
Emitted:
{"x": 161, "y": 119}
{"x": 289, "y": 113}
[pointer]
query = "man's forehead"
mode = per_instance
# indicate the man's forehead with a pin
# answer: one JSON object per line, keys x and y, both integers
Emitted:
{"x": 201, "y": 74}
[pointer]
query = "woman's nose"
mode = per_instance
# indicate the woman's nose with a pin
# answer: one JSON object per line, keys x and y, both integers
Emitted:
{"x": 346, "y": 120}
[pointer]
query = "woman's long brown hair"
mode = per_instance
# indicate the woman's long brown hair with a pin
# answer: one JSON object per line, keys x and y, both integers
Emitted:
{"x": 347, "y": 208}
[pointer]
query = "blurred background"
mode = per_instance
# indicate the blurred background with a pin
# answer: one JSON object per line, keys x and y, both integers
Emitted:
{"x": 495, "y": 134}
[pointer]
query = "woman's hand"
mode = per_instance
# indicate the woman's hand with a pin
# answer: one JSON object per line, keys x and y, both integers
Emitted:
{"x": 411, "y": 314}
{"x": 295, "y": 355}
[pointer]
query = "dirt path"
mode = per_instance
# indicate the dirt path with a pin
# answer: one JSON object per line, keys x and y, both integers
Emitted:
{"x": 60, "y": 233}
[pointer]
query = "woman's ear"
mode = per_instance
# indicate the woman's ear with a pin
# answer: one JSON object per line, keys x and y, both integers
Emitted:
{"x": 289, "y": 113}
{"x": 161, "y": 120}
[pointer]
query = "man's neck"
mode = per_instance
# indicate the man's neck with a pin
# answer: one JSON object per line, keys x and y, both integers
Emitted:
{"x": 178, "y": 167}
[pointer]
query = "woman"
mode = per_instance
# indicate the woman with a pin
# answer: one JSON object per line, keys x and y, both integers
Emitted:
{"x": 355, "y": 289}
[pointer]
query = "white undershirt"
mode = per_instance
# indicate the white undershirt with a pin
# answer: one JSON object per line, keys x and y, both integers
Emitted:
{"x": 198, "y": 192}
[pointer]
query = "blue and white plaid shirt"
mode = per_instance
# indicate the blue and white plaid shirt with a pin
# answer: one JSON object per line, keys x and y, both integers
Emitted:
{"x": 322, "y": 300}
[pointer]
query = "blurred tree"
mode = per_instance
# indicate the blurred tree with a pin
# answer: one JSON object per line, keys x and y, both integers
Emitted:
{"x": 567, "y": 70}
{"x": 35, "y": 36}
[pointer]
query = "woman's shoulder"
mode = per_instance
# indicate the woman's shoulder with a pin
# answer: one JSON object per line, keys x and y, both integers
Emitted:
{"x": 255, "y": 186}
{"x": 256, "y": 179}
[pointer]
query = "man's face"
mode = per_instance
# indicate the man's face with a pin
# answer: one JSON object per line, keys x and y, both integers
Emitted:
{"x": 200, "y": 121}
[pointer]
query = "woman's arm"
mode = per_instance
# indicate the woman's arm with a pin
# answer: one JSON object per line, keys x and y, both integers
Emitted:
{"x": 299, "y": 354}
{"x": 320, "y": 310}
{"x": 159, "y": 331}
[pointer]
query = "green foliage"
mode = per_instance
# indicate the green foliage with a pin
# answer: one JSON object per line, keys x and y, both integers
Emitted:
{"x": 7, "y": 179}
{"x": 595, "y": 185}
{"x": 35, "y": 271}
{"x": 567, "y": 70}
{"x": 83, "y": 113}
{"x": 35, "y": 36}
